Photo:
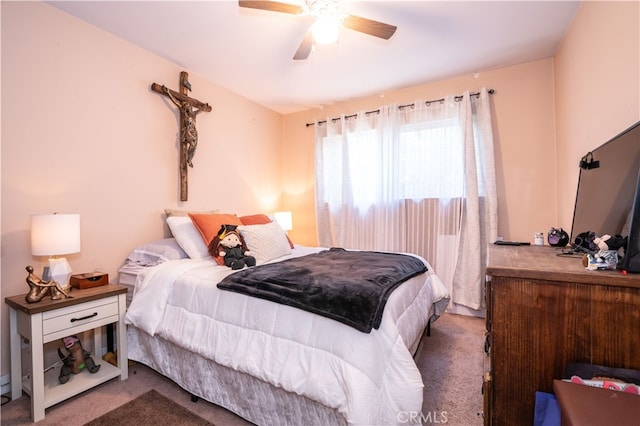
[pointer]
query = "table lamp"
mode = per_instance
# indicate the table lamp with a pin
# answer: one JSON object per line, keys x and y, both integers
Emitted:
{"x": 284, "y": 219}
{"x": 54, "y": 235}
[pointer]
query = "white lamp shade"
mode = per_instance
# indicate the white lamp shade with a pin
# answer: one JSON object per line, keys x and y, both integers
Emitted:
{"x": 284, "y": 219}
{"x": 55, "y": 234}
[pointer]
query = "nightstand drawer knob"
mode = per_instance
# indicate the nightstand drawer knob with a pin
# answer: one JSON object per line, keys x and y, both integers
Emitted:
{"x": 95, "y": 314}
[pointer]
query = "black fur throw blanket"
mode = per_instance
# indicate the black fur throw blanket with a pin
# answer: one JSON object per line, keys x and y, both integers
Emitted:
{"x": 348, "y": 286}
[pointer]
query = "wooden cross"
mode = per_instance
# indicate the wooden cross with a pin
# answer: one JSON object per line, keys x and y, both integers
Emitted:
{"x": 189, "y": 108}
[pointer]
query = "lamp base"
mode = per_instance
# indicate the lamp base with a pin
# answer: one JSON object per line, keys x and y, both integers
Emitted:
{"x": 60, "y": 271}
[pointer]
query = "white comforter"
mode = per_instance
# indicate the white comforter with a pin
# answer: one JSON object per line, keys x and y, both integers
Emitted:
{"x": 369, "y": 378}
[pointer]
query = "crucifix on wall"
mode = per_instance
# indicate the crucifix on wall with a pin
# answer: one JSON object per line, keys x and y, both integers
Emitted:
{"x": 189, "y": 109}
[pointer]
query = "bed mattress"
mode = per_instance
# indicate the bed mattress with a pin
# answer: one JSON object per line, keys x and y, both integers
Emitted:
{"x": 127, "y": 275}
{"x": 369, "y": 378}
{"x": 252, "y": 399}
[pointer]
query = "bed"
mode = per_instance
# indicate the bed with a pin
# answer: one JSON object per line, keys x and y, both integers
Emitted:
{"x": 268, "y": 362}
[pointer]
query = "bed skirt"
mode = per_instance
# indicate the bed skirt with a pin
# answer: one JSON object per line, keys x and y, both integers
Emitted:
{"x": 252, "y": 399}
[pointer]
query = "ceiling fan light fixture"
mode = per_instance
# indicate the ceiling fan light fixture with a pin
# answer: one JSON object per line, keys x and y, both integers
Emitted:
{"x": 326, "y": 28}
{"x": 328, "y": 22}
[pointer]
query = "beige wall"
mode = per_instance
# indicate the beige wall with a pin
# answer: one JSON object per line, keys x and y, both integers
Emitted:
{"x": 597, "y": 87}
{"x": 524, "y": 132}
{"x": 83, "y": 133}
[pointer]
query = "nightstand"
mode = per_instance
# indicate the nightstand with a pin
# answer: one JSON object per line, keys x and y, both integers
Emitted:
{"x": 50, "y": 320}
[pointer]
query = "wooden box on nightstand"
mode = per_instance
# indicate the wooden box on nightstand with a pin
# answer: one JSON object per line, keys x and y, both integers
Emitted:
{"x": 89, "y": 280}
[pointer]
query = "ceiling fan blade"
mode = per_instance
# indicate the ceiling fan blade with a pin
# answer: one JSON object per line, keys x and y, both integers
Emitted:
{"x": 273, "y": 6}
{"x": 305, "y": 47}
{"x": 369, "y": 26}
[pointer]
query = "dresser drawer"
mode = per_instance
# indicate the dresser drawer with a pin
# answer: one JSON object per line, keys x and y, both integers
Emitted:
{"x": 77, "y": 318}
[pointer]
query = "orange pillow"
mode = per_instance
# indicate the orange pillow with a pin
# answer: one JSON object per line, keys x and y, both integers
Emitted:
{"x": 260, "y": 219}
{"x": 209, "y": 224}
{"x": 255, "y": 219}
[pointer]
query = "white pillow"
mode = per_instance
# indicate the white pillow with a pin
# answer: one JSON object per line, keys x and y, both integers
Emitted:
{"x": 188, "y": 237}
{"x": 156, "y": 252}
{"x": 266, "y": 242}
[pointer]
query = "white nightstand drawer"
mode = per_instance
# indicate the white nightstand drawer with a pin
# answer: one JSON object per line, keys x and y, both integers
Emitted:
{"x": 74, "y": 319}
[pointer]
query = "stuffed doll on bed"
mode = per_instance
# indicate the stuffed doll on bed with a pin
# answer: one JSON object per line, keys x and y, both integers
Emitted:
{"x": 229, "y": 246}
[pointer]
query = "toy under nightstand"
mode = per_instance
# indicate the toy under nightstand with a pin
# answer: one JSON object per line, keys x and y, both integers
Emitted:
{"x": 50, "y": 320}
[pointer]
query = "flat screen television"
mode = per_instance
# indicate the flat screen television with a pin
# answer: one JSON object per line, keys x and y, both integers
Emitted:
{"x": 608, "y": 197}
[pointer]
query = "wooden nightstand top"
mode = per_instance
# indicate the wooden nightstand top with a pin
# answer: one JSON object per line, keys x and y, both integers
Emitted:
{"x": 79, "y": 296}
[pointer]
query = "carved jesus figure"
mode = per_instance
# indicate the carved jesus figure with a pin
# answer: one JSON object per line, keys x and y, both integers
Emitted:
{"x": 188, "y": 133}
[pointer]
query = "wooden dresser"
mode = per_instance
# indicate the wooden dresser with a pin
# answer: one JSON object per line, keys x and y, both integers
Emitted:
{"x": 545, "y": 311}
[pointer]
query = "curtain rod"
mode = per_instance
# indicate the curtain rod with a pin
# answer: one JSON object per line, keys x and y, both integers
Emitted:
{"x": 376, "y": 111}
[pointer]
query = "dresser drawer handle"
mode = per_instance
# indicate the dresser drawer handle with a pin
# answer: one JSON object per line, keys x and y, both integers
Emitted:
{"x": 95, "y": 314}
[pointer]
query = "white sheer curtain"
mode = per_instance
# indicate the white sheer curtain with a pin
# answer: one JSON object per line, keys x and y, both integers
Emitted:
{"x": 417, "y": 179}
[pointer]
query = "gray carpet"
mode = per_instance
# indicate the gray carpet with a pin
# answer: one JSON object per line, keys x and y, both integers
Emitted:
{"x": 452, "y": 365}
{"x": 451, "y": 361}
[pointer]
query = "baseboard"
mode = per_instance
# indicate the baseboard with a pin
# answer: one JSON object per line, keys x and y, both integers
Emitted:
{"x": 465, "y": 310}
{"x": 5, "y": 384}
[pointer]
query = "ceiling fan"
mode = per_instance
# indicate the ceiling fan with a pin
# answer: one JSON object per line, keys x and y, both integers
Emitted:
{"x": 327, "y": 24}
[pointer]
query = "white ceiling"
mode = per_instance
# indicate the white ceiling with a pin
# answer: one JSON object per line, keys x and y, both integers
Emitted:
{"x": 250, "y": 51}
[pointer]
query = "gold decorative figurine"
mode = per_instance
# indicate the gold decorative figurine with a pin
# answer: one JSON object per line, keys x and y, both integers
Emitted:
{"x": 39, "y": 288}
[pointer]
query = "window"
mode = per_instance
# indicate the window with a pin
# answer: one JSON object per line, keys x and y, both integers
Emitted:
{"x": 431, "y": 161}
{"x": 418, "y": 180}
{"x": 427, "y": 162}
